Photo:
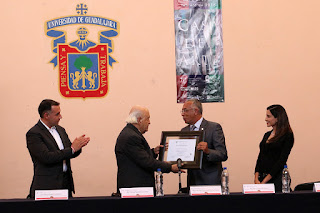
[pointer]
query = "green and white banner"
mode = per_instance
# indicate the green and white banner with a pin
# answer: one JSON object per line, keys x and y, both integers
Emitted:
{"x": 199, "y": 50}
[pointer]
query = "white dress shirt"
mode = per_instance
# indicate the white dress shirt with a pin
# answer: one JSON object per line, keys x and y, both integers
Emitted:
{"x": 57, "y": 138}
{"x": 196, "y": 126}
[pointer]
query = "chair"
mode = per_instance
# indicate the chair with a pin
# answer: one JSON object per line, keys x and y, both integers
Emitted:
{"x": 305, "y": 186}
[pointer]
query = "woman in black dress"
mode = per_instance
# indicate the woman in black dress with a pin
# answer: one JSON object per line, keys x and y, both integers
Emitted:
{"x": 275, "y": 147}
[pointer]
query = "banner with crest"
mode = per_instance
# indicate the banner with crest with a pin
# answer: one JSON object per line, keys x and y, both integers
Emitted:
{"x": 83, "y": 64}
{"x": 199, "y": 50}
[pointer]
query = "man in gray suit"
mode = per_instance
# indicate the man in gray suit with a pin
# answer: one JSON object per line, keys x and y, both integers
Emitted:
{"x": 213, "y": 146}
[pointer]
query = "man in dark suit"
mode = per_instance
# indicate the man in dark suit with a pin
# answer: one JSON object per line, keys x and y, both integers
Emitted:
{"x": 213, "y": 145}
{"x": 51, "y": 150}
{"x": 136, "y": 161}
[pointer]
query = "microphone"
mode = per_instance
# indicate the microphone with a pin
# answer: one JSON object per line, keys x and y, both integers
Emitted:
{"x": 179, "y": 162}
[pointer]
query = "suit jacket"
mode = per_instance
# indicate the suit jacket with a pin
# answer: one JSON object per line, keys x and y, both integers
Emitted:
{"x": 210, "y": 173}
{"x": 48, "y": 159}
{"x": 136, "y": 161}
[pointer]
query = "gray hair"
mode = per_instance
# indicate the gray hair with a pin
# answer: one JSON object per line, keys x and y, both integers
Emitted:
{"x": 196, "y": 103}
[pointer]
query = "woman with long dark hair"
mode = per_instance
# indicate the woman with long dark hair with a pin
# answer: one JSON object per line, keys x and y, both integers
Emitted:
{"x": 275, "y": 147}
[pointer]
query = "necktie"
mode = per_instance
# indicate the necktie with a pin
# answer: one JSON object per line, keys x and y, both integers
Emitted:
{"x": 193, "y": 127}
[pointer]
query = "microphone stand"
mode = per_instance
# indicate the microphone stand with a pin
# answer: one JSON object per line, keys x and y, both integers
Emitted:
{"x": 179, "y": 167}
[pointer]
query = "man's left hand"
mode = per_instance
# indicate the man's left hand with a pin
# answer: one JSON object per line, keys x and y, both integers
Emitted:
{"x": 203, "y": 146}
{"x": 157, "y": 149}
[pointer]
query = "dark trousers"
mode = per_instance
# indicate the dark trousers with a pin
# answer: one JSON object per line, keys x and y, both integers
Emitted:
{"x": 67, "y": 183}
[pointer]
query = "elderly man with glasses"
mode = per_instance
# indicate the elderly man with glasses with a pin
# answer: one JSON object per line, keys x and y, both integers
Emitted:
{"x": 213, "y": 145}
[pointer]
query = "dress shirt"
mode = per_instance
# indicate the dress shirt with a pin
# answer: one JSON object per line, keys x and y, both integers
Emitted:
{"x": 196, "y": 126}
{"x": 53, "y": 131}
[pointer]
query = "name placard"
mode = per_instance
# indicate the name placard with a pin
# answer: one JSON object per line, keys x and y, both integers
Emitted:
{"x": 136, "y": 192}
{"x": 55, "y": 194}
{"x": 205, "y": 190}
{"x": 316, "y": 187}
{"x": 258, "y": 188}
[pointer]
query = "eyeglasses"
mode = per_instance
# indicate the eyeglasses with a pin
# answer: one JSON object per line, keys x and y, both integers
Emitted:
{"x": 186, "y": 110}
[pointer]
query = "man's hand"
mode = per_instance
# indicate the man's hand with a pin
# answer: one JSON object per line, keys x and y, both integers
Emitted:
{"x": 80, "y": 142}
{"x": 175, "y": 169}
{"x": 203, "y": 146}
{"x": 156, "y": 150}
{"x": 167, "y": 146}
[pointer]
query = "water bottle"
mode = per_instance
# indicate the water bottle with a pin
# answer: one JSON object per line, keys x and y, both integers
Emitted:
{"x": 286, "y": 180}
{"x": 159, "y": 183}
{"x": 225, "y": 181}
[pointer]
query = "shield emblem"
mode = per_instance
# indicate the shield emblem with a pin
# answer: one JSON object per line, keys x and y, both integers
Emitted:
{"x": 83, "y": 74}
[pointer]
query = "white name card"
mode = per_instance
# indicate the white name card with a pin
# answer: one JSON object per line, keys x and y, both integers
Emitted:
{"x": 316, "y": 187}
{"x": 205, "y": 190}
{"x": 136, "y": 192}
{"x": 258, "y": 188}
{"x": 56, "y": 194}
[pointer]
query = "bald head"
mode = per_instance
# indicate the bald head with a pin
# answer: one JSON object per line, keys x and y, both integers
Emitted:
{"x": 139, "y": 116}
{"x": 135, "y": 113}
{"x": 139, "y": 109}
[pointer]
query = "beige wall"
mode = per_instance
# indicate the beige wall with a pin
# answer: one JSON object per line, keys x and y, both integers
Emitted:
{"x": 271, "y": 51}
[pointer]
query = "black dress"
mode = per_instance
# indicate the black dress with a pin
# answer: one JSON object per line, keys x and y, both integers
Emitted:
{"x": 272, "y": 158}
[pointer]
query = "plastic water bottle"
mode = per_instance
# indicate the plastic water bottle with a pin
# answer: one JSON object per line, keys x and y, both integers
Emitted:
{"x": 225, "y": 181}
{"x": 286, "y": 180}
{"x": 159, "y": 183}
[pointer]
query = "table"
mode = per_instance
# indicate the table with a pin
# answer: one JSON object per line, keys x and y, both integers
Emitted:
{"x": 235, "y": 202}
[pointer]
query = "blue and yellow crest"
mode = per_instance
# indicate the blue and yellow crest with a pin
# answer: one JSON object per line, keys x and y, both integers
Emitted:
{"x": 82, "y": 63}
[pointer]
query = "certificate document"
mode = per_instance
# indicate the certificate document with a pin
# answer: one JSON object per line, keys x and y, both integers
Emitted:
{"x": 181, "y": 144}
{"x": 181, "y": 148}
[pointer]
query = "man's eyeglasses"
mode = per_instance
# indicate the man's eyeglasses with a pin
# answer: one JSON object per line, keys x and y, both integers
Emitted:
{"x": 186, "y": 110}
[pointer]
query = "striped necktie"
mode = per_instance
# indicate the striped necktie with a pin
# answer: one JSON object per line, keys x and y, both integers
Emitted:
{"x": 193, "y": 127}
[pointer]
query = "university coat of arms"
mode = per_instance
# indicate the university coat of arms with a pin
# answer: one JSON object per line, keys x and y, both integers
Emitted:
{"x": 83, "y": 64}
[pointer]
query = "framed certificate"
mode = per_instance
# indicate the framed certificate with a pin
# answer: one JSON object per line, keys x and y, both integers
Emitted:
{"x": 182, "y": 144}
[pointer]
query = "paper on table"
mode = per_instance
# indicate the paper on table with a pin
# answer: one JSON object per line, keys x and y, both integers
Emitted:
{"x": 54, "y": 194}
{"x": 136, "y": 192}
